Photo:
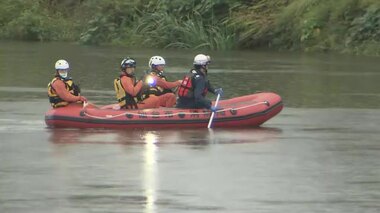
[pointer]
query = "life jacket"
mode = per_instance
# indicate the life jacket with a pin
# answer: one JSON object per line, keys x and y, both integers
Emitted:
{"x": 186, "y": 89}
{"x": 54, "y": 99}
{"x": 153, "y": 90}
{"x": 124, "y": 99}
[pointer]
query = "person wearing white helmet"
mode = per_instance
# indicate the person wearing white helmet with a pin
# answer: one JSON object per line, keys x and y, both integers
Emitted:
{"x": 195, "y": 85}
{"x": 159, "y": 85}
{"x": 62, "y": 90}
{"x": 128, "y": 89}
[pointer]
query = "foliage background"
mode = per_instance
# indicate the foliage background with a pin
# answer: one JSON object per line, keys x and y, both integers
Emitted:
{"x": 347, "y": 26}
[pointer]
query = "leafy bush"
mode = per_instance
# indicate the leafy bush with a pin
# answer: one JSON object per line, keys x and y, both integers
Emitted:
{"x": 308, "y": 25}
{"x": 31, "y": 21}
{"x": 327, "y": 25}
{"x": 177, "y": 24}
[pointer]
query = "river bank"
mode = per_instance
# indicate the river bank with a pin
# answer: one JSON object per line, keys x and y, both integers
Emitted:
{"x": 344, "y": 26}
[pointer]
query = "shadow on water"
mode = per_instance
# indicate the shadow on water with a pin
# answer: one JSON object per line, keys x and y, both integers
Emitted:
{"x": 160, "y": 137}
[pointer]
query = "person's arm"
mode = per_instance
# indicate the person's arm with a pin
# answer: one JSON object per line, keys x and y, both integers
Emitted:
{"x": 210, "y": 88}
{"x": 200, "y": 100}
{"x": 129, "y": 86}
{"x": 65, "y": 95}
{"x": 166, "y": 84}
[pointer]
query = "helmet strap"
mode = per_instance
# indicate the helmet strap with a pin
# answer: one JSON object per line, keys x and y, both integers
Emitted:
{"x": 204, "y": 69}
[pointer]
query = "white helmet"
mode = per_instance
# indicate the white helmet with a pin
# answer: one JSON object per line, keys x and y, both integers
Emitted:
{"x": 156, "y": 60}
{"x": 202, "y": 59}
{"x": 61, "y": 65}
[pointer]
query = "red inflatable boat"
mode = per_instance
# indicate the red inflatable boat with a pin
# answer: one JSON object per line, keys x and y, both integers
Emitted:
{"x": 245, "y": 111}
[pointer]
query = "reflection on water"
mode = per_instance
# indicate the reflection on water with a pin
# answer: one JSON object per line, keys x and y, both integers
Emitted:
{"x": 150, "y": 171}
{"x": 151, "y": 141}
{"x": 151, "y": 144}
{"x": 162, "y": 137}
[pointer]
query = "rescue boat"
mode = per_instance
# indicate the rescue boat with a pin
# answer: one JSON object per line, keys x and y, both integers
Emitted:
{"x": 244, "y": 111}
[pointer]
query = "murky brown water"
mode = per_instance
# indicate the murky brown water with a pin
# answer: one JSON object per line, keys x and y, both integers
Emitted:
{"x": 321, "y": 154}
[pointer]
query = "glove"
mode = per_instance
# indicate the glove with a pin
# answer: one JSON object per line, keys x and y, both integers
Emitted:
{"x": 219, "y": 91}
{"x": 215, "y": 108}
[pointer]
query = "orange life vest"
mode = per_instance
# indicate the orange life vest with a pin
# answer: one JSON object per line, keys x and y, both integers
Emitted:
{"x": 54, "y": 99}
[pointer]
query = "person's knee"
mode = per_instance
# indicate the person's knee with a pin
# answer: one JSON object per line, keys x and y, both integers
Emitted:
{"x": 168, "y": 100}
{"x": 151, "y": 102}
{"x": 171, "y": 96}
{"x": 153, "y": 98}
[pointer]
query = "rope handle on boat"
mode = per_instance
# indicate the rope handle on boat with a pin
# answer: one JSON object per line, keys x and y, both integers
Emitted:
{"x": 85, "y": 104}
{"x": 173, "y": 114}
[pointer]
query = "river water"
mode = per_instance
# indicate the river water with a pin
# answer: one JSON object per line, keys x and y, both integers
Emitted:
{"x": 320, "y": 154}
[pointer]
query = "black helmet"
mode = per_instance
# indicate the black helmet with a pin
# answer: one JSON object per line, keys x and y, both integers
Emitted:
{"x": 127, "y": 62}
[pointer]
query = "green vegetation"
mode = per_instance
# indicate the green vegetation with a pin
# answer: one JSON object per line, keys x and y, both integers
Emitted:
{"x": 347, "y": 26}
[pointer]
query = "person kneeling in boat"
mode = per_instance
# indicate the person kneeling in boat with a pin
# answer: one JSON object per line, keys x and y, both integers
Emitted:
{"x": 195, "y": 85}
{"x": 128, "y": 88}
{"x": 158, "y": 84}
{"x": 62, "y": 90}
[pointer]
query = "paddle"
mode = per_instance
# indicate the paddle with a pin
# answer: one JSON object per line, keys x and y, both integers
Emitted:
{"x": 213, "y": 113}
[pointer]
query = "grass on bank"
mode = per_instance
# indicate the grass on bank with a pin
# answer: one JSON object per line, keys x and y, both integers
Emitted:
{"x": 347, "y": 26}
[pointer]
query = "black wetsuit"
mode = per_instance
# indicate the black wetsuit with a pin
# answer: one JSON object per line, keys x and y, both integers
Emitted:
{"x": 200, "y": 86}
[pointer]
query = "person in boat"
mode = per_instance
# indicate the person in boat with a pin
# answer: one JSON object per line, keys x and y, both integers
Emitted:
{"x": 195, "y": 85}
{"x": 62, "y": 90}
{"x": 158, "y": 84}
{"x": 128, "y": 89}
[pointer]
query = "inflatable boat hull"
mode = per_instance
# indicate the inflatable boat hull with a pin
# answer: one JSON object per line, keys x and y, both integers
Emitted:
{"x": 245, "y": 111}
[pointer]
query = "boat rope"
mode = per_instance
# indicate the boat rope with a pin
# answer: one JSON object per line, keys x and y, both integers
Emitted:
{"x": 172, "y": 114}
